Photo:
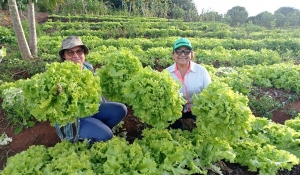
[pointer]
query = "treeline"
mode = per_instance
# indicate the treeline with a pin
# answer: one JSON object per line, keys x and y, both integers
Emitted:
{"x": 170, "y": 9}
{"x": 238, "y": 16}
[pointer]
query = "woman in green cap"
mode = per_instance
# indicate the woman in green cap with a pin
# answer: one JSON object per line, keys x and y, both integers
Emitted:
{"x": 194, "y": 79}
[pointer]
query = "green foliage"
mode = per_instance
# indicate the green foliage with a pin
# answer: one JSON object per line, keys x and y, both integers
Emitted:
{"x": 185, "y": 9}
{"x": 2, "y": 52}
{"x": 278, "y": 75}
{"x": 281, "y": 136}
{"x": 154, "y": 97}
{"x": 171, "y": 151}
{"x": 59, "y": 96}
{"x": 265, "y": 158}
{"x": 210, "y": 149}
{"x": 264, "y": 105}
{"x": 116, "y": 156}
{"x": 218, "y": 106}
{"x": 264, "y": 19}
{"x": 30, "y": 161}
{"x": 267, "y": 137}
{"x": 100, "y": 54}
{"x": 239, "y": 82}
{"x": 16, "y": 109}
{"x": 159, "y": 152}
{"x": 48, "y": 5}
{"x": 220, "y": 57}
{"x": 287, "y": 16}
{"x": 224, "y": 119}
{"x": 63, "y": 158}
{"x": 121, "y": 66}
{"x": 13, "y": 69}
{"x": 68, "y": 158}
{"x": 69, "y": 7}
{"x": 294, "y": 123}
{"x": 236, "y": 16}
{"x": 6, "y": 36}
{"x": 159, "y": 55}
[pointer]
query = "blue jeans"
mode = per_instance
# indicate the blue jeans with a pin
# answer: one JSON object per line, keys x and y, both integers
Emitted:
{"x": 98, "y": 126}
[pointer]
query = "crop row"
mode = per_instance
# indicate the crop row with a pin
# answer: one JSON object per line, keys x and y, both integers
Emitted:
{"x": 154, "y": 52}
{"x": 147, "y": 27}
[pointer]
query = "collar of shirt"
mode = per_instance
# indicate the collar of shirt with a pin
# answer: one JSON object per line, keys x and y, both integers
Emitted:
{"x": 192, "y": 67}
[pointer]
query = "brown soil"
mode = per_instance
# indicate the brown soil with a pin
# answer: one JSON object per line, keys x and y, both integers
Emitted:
{"x": 5, "y": 19}
{"x": 44, "y": 134}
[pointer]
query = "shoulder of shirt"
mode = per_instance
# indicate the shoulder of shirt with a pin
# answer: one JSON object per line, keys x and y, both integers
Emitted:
{"x": 195, "y": 67}
{"x": 171, "y": 68}
{"x": 88, "y": 66}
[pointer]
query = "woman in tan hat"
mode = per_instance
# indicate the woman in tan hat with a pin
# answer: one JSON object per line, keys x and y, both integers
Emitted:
{"x": 194, "y": 78}
{"x": 98, "y": 126}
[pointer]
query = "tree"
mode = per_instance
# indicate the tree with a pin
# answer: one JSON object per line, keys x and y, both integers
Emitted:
{"x": 48, "y": 5}
{"x": 264, "y": 19}
{"x": 27, "y": 51}
{"x": 210, "y": 16}
{"x": 19, "y": 32}
{"x": 187, "y": 7}
{"x": 236, "y": 16}
{"x": 117, "y": 3}
{"x": 287, "y": 16}
{"x": 32, "y": 28}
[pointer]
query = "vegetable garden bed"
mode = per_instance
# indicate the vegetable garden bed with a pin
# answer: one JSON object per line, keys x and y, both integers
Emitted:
{"x": 44, "y": 134}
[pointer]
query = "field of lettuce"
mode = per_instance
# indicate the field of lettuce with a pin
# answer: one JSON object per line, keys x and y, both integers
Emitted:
{"x": 255, "y": 73}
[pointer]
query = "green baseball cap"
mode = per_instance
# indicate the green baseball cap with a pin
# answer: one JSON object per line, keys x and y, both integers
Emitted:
{"x": 182, "y": 42}
{"x": 70, "y": 42}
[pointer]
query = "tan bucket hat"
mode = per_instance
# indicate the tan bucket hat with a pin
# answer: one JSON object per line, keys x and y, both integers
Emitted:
{"x": 70, "y": 42}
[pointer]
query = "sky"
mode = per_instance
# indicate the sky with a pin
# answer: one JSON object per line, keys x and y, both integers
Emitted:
{"x": 253, "y": 7}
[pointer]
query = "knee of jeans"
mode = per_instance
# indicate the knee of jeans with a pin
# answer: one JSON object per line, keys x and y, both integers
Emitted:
{"x": 104, "y": 137}
{"x": 120, "y": 110}
{"x": 124, "y": 110}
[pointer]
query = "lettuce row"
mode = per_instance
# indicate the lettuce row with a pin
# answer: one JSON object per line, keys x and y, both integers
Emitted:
{"x": 265, "y": 158}
{"x": 159, "y": 152}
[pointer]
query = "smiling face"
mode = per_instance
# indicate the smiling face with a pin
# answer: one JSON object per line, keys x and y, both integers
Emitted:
{"x": 182, "y": 56}
{"x": 75, "y": 54}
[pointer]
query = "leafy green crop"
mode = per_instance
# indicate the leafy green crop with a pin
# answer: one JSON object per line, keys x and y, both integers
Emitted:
{"x": 154, "y": 97}
{"x": 14, "y": 105}
{"x": 121, "y": 67}
{"x": 2, "y": 53}
{"x": 117, "y": 156}
{"x": 69, "y": 158}
{"x": 30, "y": 161}
{"x": 172, "y": 153}
{"x": 294, "y": 123}
{"x": 281, "y": 136}
{"x": 16, "y": 108}
{"x": 263, "y": 157}
{"x": 62, "y": 93}
{"x": 237, "y": 81}
{"x": 221, "y": 112}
